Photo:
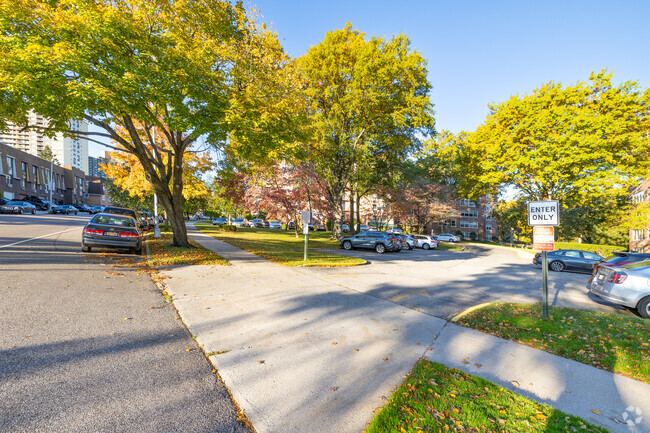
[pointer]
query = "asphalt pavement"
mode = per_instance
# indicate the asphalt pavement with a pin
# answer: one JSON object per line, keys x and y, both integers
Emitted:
{"x": 88, "y": 343}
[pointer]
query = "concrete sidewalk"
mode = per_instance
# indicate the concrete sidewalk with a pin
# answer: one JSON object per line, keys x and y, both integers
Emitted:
{"x": 300, "y": 353}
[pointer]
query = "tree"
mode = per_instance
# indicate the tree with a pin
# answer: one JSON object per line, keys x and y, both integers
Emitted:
{"x": 421, "y": 202}
{"x": 572, "y": 143}
{"x": 367, "y": 101}
{"x": 188, "y": 69}
{"x": 47, "y": 155}
{"x": 512, "y": 219}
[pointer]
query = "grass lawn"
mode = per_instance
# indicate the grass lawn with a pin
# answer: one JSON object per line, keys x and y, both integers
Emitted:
{"x": 435, "y": 398}
{"x": 613, "y": 342}
{"x": 163, "y": 254}
{"x": 449, "y": 246}
{"x": 282, "y": 246}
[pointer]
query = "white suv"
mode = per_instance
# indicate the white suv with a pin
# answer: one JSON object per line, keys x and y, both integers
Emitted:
{"x": 448, "y": 237}
{"x": 425, "y": 242}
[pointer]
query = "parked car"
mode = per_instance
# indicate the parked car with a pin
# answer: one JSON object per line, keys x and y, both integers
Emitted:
{"x": 96, "y": 209}
{"x": 40, "y": 204}
{"x": 275, "y": 224}
{"x": 363, "y": 228}
{"x": 128, "y": 212}
{"x": 570, "y": 260}
{"x": 3, "y": 201}
{"x": 291, "y": 225}
{"x": 618, "y": 259}
{"x": 112, "y": 231}
{"x": 320, "y": 227}
{"x": 65, "y": 209}
{"x": 258, "y": 223}
{"x": 219, "y": 221}
{"x": 240, "y": 222}
{"x": 426, "y": 242}
{"x": 81, "y": 207}
{"x": 408, "y": 241}
{"x": 447, "y": 237}
{"x": 18, "y": 207}
{"x": 267, "y": 224}
{"x": 395, "y": 230}
{"x": 627, "y": 285}
{"x": 372, "y": 240}
{"x": 345, "y": 228}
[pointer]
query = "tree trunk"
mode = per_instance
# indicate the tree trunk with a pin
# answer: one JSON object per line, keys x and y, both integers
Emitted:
{"x": 358, "y": 210}
{"x": 351, "y": 224}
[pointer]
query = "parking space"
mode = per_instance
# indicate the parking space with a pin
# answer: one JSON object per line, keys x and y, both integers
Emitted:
{"x": 443, "y": 283}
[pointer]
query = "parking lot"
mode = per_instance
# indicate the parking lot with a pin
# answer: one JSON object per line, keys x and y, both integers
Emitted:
{"x": 443, "y": 283}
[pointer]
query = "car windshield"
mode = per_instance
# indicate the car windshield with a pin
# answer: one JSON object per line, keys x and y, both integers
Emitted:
{"x": 113, "y": 220}
{"x": 15, "y": 202}
{"x": 239, "y": 220}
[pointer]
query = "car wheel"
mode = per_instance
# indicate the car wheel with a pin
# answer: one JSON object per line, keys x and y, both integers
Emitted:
{"x": 33, "y": 211}
{"x": 643, "y": 307}
{"x": 426, "y": 246}
{"x": 85, "y": 249}
{"x": 347, "y": 245}
{"x": 556, "y": 266}
{"x": 21, "y": 211}
{"x": 380, "y": 248}
{"x": 138, "y": 252}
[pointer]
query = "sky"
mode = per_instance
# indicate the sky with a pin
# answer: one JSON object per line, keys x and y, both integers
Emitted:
{"x": 482, "y": 52}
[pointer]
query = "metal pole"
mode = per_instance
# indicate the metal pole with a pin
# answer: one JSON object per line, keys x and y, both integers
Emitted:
{"x": 306, "y": 242}
{"x": 156, "y": 230}
{"x": 545, "y": 311}
{"x": 51, "y": 179}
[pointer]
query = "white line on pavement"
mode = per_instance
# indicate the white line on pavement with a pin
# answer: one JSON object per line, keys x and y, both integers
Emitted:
{"x": 39, "y": 237}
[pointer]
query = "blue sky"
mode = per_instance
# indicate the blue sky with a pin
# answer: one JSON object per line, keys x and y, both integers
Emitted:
{"x": 480, "y": 52}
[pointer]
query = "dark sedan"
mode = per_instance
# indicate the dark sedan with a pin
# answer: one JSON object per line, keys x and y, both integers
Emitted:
{"x": 65, "y": 209}
{"x": 19, "y": 207}
{"x": 112, "y": 231}
{"x": 569, "y": 260}
{"x": 378, "y": 241}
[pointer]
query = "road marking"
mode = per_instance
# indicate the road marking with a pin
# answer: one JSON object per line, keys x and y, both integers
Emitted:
{"x": 39, "y": 237}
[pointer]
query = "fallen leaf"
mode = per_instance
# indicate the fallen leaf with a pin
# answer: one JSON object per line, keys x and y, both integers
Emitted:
{"x": 334, "y": 388}
{"x": 478, "y": 365}
{"x": 596, "y": 411}
{"x": 260, "y": 362}
{"x": 514, "y": 383}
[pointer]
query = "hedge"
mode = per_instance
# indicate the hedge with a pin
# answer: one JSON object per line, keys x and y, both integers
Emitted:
{"x": 603, "y": 250}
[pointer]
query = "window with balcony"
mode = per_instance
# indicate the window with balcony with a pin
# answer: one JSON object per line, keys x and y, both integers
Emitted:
{"x": 638, "y": 197}
{"x": 637, "y": 235}
{"x": 469, "y": 214}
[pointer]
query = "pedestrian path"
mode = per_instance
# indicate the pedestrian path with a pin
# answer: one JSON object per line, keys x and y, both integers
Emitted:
{"x": 300, "y": 353}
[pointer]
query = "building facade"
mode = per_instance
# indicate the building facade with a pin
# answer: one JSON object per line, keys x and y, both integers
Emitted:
{"x": 640, "y": 236}
{"x": 94, "y": 168}
{"x": 68, "y": 151}
{"x": 97, "y": 194}
{"x": 24, "y": 175}
{"x": 474, "y": 222}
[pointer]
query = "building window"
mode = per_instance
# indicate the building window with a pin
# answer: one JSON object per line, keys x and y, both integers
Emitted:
{"x": 637, "y": 250}
{"x": 469, "y": 213}
{"x": 467, "y": 235}
{"x": 488, "y": 238}
{"x": 453, "y": 223}
{"x": 468, "y": 224}
{"x": 638, "y": 197}
{"x": 637, "y": 235}
{"x": 35, "y": 178}
{"x": 488, "y": 227}
{"x": 468, "y": 203}
{"x": 11, "y": 170}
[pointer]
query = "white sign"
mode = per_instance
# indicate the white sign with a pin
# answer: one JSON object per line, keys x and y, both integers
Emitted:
{"x": 543, "y": 213}
{"x": 305, "y": 228}
{"x": 306, "y": 217}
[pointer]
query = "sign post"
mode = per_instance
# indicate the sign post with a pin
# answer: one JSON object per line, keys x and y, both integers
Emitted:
{"x": 543, "y": 216}
{"x": 306, "y": 220}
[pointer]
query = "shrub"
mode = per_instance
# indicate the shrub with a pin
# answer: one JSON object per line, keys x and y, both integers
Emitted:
{"x": 226, "y": 227}
{"x": 328, "y": 224}
{"x": 473, "y": 236}
{"x": 603, "y": 250}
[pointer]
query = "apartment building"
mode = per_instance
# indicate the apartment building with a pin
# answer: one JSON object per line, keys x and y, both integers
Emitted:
{"x": 24, "y": 175}
{"x": 68, "y": 151}
{"x": 474, "y": 222}
{"x": 94, "y": 168}
{"x": 640, "y": 237}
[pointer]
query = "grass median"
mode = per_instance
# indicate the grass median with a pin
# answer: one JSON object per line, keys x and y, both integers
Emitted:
{"x": 613, "y": 342}
{"x": 435, "y": 398}
{"x": 282, "y": 246}
{"x": 162, "y": 253}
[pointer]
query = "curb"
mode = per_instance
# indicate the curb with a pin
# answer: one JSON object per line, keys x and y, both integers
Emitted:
{"x": 462, "y": 314}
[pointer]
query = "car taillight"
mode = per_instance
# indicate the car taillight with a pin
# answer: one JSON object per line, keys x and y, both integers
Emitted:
{"x": 617, "y": 277}
{"x": 93, "y": 232}
{"x": 129, "y": 235}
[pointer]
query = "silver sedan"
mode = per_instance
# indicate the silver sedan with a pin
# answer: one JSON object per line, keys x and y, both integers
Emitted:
{"x": 627, "y": 285}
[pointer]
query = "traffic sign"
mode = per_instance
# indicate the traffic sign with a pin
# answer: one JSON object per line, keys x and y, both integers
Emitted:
{"x": 544, "y": 213}
{"x": 543, "y": 238}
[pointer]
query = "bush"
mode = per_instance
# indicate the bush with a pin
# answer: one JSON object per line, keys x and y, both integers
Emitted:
{"x": 459, "y": 233}
{"x": 328, "y": 224}
{"x": 603, "y": 250}
{"x": 473, "y": 236}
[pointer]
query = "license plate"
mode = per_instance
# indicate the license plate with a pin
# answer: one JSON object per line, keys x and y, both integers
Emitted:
{"x": 111, "y": 234}
{"x": 601, "y": 277}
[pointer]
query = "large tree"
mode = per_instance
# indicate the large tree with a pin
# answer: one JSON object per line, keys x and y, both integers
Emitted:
{"x": 368, "y": 105}
{"x": 189, "y": 69}
{"x": 573, "y": 143}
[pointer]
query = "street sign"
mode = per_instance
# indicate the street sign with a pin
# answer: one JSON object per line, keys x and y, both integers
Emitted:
{"x": 305, "y": 228}
{"x": 543, "y": 213}
{"x": 543, "y": 238}
{"x": 306, "y": 217}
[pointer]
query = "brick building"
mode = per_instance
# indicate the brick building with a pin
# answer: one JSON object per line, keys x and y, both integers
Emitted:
{"x": 474, "y": 217}
{"x": 640, "y": 237}
{"x": 24, "y": 175}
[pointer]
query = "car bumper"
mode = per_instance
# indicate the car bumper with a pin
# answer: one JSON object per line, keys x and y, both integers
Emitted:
{"x": 108, "y": 243}
{"x": 616, "y": 293}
